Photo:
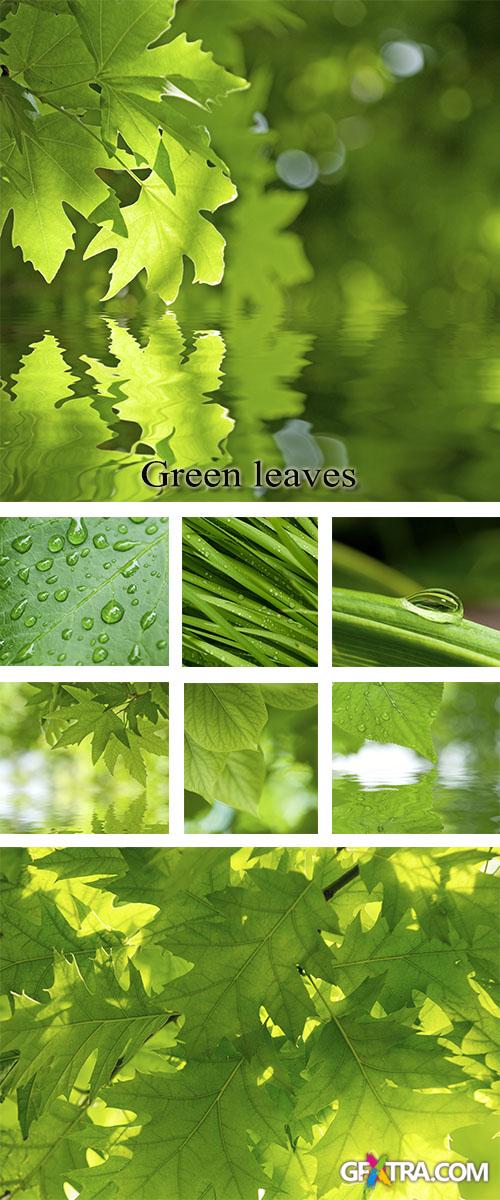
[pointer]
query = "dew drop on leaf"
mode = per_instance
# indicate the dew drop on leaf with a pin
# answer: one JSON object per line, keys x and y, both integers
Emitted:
{"x": 4, "y": 559}
{"x": 22, "y": 544}
{"x": 123, "y": 544}
{"x": 135, "y": 654}
{"x": 435, "y": 604}
{"x": 5, "y": 583}
{"x": 42, "y": 596}
{"x": 61, "y": 595}
{"x": 100, "y": 541}
{"x": 44, "y": 564}
{"x": 51, "y": 578}
{"x": 72, "y": 559}
{"x": 30, "y": 621}
{"x": 112, "y": 612}
{"x": 138, "y": 520}
{"x": 25, "y": 652}
{"x": 23, "y": 574}
{"x": 87, "y": 622}
{"x": 86, "y": 552}
{"x": 55, "y": 544}
{"x": 18, "y": 609}
{"x": 61, "y": 658}
{"x": 100, "y": 653}
{"x": 103, "y": 638}
{"x": 148, "y": 619}
{"x": 130, "y": 568}
{"x": 66, "y": 634}
{"x": 151, "y": 528}
{"x": 77, "y": 531}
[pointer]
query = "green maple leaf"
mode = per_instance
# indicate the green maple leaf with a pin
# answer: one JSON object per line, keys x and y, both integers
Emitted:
{"x": 57, "y": 162}
{"x": 198, "y": 1126}
{"x": 389, "y": 712}
{"x": 45, "y": 49}
{"x": 247, "y": 944}
{"x": 35, "y": 1167}
{"x": 44, "y": 421}
{"x": 166, "y": 392}
{"x": 33, "y": 928}
{"x": 60, "y": 598}
{"x": 162, "y": 228}
{"x": 379, "y": 1071}
{"x": 54, "y": 1040}
{"x": 409, "y": 961}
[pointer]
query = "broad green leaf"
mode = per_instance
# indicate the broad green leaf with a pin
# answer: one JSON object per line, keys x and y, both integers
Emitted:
{"x": 371, "y": 629}
{"x": 290, "y": 695}
{"x": 202, "y": 767}
{"x": 57, "y": 163}
{"x": 84, "y": 591}
{"x": 389, "y": 712}
{"x": 162, "y": 228}
{"x": 224, "y": 716}
{"x": 241, "y": 781}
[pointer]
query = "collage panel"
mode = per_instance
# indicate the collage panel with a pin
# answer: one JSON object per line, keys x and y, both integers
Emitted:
{"x": 211, "y": 1023}
{"x": 416, "y": 758}
{"x": 84, "y": 757}
{"x": 84, "y": 591}
{"x": 416, "y": 591}
{"x": 250, "y": 591}
{"x": 250, "y": 758}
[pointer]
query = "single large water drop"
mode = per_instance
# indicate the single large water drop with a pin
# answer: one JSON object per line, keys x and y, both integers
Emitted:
{"x": 112, "y": 612}
{"x": 77, "y": 532}
{"x": 55, "y": 544}
{"x": 22, "y": 544}
{"x": 435, "y": 604}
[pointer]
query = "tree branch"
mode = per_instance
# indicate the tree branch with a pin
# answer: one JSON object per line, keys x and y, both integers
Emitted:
{"x": 340, "y": 883}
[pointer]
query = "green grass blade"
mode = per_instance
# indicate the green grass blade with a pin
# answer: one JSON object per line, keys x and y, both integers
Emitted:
{"x": 377, "y": 630}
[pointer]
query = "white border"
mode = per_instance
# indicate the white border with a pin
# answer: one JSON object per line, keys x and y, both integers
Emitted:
{"x": 176, "y": 675}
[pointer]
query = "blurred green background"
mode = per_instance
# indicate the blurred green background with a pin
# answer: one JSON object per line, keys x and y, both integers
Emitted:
{"x": 368, "y": 336}
{"x": 288, "y": 802}
{"x": 459, "y": 554}
{"x": 46, "y": 790}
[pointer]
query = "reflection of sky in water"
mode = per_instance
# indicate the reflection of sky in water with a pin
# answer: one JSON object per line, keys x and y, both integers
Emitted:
{"x": 377, "y": 766}
{"x": 467, "y": 798}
